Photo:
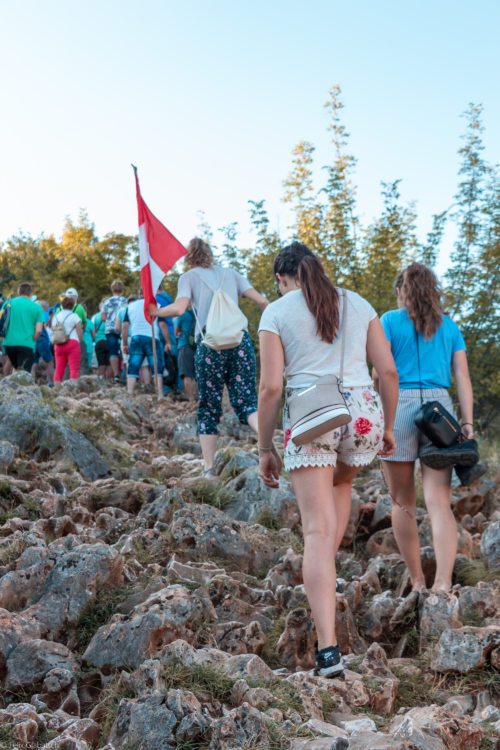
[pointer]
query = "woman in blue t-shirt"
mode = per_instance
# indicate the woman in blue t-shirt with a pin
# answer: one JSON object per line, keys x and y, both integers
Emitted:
{"x": 427, "y": 346}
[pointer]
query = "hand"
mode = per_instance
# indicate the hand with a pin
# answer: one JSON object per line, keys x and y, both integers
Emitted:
{"x": 168, "y": 346}
{"x": 153, "y": 310}
{"x": 270, "y": 467}
{"x": 125, "y": 348}
{"x": 468, "y": 431}
{"x": 389, "y": 445}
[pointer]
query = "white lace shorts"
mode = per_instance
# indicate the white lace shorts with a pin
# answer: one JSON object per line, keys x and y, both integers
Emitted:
{"x": 355, "y": 444}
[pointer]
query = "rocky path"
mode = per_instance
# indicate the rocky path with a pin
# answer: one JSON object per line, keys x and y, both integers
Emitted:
{"x": 143, "y": 608}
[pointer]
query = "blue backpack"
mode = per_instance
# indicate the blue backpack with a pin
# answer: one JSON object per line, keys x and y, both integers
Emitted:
{"x": 4, "y": 319}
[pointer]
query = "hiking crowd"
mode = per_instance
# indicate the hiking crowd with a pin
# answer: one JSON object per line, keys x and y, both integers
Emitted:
{"x": 116, "y": 342}
{"x": 338, "y": 415}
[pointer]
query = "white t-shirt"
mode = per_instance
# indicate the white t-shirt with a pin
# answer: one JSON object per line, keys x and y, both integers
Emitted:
{"x": 139, "y": 326}
{"x": 199, "y": 286}
{"x": 69, "y": 320}
{"x": 308, "y": 357}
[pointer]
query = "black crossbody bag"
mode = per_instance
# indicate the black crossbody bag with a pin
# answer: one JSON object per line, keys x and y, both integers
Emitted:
{"x": 434, "y": 420}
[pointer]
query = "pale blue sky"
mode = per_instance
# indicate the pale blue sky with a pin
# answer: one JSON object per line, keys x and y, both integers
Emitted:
{"x": 209, "y": 98}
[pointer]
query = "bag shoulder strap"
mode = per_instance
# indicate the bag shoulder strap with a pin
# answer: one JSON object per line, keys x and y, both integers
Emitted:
{"x": 418, "y": 362}
{"x": 342, "y": 331}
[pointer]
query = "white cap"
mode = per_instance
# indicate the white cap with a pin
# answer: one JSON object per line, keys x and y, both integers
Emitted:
{"x": 71, "y": 292}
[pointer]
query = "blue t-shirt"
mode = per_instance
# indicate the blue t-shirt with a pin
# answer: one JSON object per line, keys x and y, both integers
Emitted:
{"x": 436, "y": 353}
{"x": 185, "y": 323}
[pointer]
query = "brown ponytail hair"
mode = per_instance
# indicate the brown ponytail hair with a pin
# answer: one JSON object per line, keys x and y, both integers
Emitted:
{"x": 421, "y": 295}
{"x": 322, "y": 298}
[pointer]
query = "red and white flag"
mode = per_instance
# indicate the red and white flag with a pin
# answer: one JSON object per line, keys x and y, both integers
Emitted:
{"x": 159, "y": 250}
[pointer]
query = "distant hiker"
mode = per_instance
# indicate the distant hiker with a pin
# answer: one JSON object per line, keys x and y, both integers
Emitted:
{"x": 137, "y": 329}
{"x": 427, "y": 345}
{"x": 186, "y": 347}
{"x": 25, "y": 327}
{"x": 110, "y": 308}
{"x": 301, "y": 336}
{"x": 67, "y": 335}
{"x": 43, "y": 346}
{"x": 101, "y": 344}
{"x": 233, "y": 366}
{"x": 79, "y": 310}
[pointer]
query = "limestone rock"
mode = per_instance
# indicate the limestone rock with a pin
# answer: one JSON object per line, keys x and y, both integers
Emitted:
{"x": 295, "y": 646}
{"x": 465, "y": 649}
{"x": 246, "y": 496}
{"x": 438, "y": 611}
{"x": 14, "y": 629}
{"x": 7, "y": 455}
{"x": 240, "y": 727}
{"x": 431, "y": 728}
{"x": 169, "y": 614}
{"x": 490, "y": 545}
{"x": 29, "y": 663}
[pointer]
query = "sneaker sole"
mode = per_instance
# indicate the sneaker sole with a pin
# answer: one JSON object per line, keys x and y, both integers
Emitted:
{"x": 334, "y": 671}
{"x": 439, "y": 461}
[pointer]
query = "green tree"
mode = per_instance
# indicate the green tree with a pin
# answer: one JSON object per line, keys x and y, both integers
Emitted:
{"x": 390, "y": 244}
{"x": 300, "y": 194}
{"x": 341, "y": 224}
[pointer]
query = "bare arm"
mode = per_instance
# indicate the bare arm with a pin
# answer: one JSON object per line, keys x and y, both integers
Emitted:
{"x": 272, "y": 360}
{"x": 386, "y": 379}
{"x": 256, "y": 297}
{"x": 79, "y": 331}
{"x": 460, "y": 368}
{"x": 125, "y": 336}
{"x": 38, "y": 330}
{"x": 174, "y": 310}
{"x": 166, "y": 334}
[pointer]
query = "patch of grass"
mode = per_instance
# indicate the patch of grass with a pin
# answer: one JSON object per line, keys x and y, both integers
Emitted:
{"x": 204, "y": 680}
{"x": 473, "y": 682}
{"x": 413, "y": 691}
{"x": 98, "y": 612}
{"x": 268, "y": 653}
{"x": 471, "y": 572}
{"x": 110, "y": 700}
{"x": 487, "y": 744}
{"x": 10, "y": 552}
{"x": 33, "y": 509}
{"x": 7, "y": 741}
{"x": 209, "y": 492}
{"x": 266, "y": 518}
{"x": 285, "y": 694}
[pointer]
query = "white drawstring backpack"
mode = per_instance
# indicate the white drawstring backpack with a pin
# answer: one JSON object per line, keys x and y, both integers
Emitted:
{"x": 225, "y": 322}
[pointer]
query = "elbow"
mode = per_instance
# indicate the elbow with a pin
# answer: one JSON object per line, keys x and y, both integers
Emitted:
{"x": 270, "y": 392}
{"x": 389, "y": 376}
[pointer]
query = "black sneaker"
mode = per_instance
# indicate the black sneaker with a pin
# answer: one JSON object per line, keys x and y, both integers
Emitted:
{"x": 469, "y": 474}
{"x": 328, "y": 662}
{"x": 461, "y": 454}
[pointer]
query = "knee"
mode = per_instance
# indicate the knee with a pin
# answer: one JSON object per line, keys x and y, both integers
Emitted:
{"x": 320, "y": 533}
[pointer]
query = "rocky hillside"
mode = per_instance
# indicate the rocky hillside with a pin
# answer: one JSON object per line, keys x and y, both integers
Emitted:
{"x": 142, "y": 608}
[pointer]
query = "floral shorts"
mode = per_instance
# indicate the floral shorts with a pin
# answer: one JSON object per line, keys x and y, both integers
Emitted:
{"x": 355, "y": 444}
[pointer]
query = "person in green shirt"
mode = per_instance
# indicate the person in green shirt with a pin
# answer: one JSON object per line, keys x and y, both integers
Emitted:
{"x": 101, "y": 344}
{"x": 25, "y": 326}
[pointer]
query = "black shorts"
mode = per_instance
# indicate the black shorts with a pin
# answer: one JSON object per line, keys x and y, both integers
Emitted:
{"x": 22, "y": 357}
{"x": 102, "y": 353}
{"x": 185, "y": 361}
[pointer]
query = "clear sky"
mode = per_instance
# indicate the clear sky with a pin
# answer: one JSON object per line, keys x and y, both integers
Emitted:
{"x": 208, "y": 98}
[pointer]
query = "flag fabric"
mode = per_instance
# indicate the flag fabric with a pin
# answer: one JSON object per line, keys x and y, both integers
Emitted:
{"x": 159, "y": 250}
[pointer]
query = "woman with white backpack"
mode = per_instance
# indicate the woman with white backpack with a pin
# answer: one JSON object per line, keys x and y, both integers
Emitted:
{"x": 67, "y": 334}
{"x": 224, "y": 353}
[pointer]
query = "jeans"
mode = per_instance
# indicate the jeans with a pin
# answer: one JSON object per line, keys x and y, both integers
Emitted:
{"x": 142, "y": 347}
{"x": 67, "y": 354}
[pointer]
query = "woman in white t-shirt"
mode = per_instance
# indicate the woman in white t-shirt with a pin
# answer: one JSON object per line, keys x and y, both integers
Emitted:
{"x": 299, "y": 339}
{"x": 67, "y": 354}
{"x": 235, "y": 367}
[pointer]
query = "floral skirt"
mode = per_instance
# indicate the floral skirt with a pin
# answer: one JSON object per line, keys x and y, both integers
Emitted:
{"x": 354, "y": 444}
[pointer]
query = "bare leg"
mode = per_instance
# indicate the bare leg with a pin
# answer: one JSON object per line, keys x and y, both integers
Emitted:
{"x": 400, "y": 477}
{"x": 131, "y": 384}
{"x": 190, "y": 388}
{"x": 342, "y": 497}
{"x": 253, "y": 421}
{"x": 159, "y": 387}
{"x": 208, "y": 447}
{"x": 313, "y": 487}
{"x": 437, "y": 494}
{"x": 113, "y": 361}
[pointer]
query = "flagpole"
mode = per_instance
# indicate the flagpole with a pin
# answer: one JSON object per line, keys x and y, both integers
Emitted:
{"x": 155, "y": 368}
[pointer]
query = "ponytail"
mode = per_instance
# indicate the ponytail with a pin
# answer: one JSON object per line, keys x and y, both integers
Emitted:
{"x": 321, "y": 296}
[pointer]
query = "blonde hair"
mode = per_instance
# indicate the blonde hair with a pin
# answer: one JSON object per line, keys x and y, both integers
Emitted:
{"x": 199, "y": 254}
{"x": 117, "y": 286}
{"x": 421, "y": 294}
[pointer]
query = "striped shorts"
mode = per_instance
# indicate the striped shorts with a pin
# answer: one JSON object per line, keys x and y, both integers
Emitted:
{"x": 409, "y": 439}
